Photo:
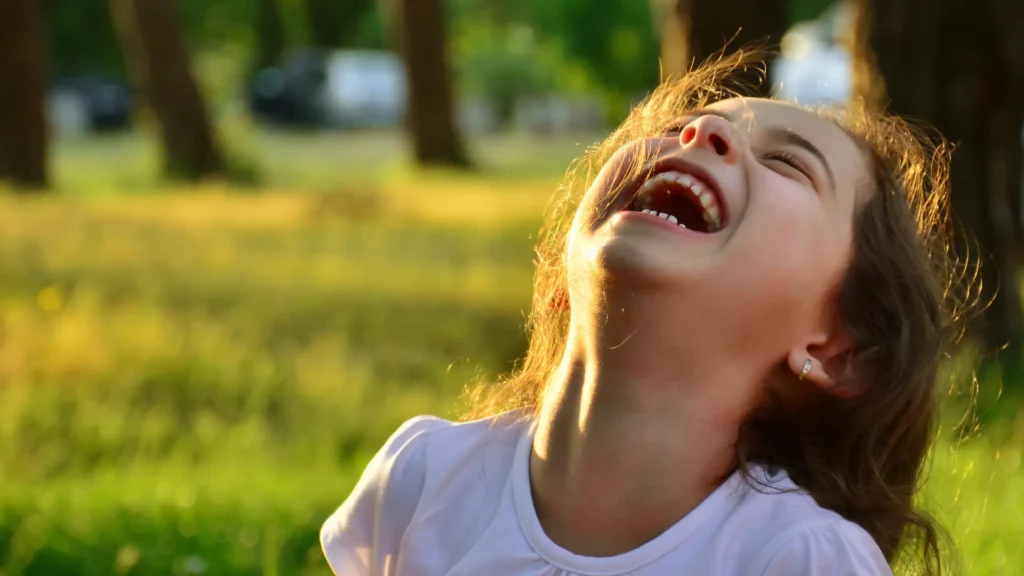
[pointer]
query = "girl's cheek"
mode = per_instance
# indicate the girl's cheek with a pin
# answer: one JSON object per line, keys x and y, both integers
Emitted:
{"x": 626, "y": 162}
{"x": 611, "y": 179}
{"x": 802, "y": 238}
{"x": 602, "y": 188}
{"x": 781, "y": 204}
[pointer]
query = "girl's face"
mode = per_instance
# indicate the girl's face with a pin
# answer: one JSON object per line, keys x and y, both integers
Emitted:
{"x": 760, "y": 198}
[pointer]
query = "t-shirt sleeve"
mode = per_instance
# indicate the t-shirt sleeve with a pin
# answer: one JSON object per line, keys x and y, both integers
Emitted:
{"x": 834, "y": 548}
{"x": 363, "y": 535}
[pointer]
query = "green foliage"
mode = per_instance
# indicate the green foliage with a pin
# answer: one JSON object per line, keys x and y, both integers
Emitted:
{"x": 220, "y": 74}
{"x": 508, "y": 63}
{"x": 617, "y": 42}
{"x": 82, "y": 37}
{"x": 491, "y": 12}
{"x": 800, "y": 10}
{"x": 295, "y": 16}
{"x": 237, "y": 132}
{"x": 270, "y": 34}
{"x": 510, "y": 49}
{"x": 502, "y": 48}
{"x": 340, "y": 24}
{"x": 372, "y": 32}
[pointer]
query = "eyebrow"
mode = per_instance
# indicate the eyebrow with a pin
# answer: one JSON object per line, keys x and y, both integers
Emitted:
{"x": 783, "y": 135}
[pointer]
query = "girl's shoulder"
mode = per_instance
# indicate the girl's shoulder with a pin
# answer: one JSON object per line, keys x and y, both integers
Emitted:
{"x": 430, "y": 445}
{"x": 429, "y": 442}
{"x": 427, "y": 446}
{"x": 427, "y": 459}
{"x": 797, "y": 535}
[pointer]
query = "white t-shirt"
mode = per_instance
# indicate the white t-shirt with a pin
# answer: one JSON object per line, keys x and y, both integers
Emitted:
{"x": 443, "y": 498}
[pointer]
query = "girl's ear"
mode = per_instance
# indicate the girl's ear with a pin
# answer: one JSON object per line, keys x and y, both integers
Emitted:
{"x": 824, "y": 361}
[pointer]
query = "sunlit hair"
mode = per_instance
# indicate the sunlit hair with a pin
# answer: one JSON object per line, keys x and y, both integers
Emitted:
{"x": 901, "y": 302}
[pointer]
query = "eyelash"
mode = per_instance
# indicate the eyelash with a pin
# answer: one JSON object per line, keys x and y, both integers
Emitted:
{"x": 789, "y": 159}
{"x": 679, "y": 125}
{"x": 676, "y": 128}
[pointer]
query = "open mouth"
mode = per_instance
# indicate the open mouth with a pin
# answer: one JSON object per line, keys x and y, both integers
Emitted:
{"x": 681, "y": 199}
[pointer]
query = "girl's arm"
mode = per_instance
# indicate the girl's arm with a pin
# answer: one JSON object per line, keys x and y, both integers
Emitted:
{"x": 363, "y": 536}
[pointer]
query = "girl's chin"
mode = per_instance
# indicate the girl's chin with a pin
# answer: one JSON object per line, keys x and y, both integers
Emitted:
{"x": 635, "y": 259}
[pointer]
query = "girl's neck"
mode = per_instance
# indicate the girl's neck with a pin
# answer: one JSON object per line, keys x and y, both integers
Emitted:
{"x": 625, "y": 446}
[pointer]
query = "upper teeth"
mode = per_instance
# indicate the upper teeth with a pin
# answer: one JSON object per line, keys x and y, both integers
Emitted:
{"x": 705, "y": 198}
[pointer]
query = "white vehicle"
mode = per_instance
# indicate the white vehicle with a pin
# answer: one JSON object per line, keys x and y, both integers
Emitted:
{"x": 814, "y": 66}
{"x": 363, "y": 88}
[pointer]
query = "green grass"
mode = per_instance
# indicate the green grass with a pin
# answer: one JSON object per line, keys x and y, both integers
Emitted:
{"x": 192, "y": 379}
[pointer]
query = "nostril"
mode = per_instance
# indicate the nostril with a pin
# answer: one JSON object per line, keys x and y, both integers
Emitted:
{"x": 721, "y": 146}
{"x": 688, "y": 134}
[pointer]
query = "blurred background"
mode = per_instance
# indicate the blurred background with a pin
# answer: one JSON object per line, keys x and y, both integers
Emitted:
{"x": 242, "y": 240}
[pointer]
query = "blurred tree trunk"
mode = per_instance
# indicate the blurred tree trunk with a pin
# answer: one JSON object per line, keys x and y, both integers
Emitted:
{"x": 694, "y": 30}
{"x": 418, "y": 29}
{"x": 959, "y": 65}
{"x": 335, "y": 23}
{"x": 150, "y": 32}
{"x": 23, "y": 87}
{"x": 270, "y": 34}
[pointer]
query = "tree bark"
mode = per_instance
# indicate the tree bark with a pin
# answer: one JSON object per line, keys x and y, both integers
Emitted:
{"x": 959, "y": 65}
{"x": 694, "y": 30}
{"x": 23, "y": 87}
{"x": 419, "y": 32}
{"x": 150, "y": 32}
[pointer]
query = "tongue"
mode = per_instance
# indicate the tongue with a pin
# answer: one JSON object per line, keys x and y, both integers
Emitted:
{"x": 679, "y": 204}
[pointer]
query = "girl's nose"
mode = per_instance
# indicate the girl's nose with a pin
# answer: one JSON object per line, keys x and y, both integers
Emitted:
{"x": 712, "y": 133}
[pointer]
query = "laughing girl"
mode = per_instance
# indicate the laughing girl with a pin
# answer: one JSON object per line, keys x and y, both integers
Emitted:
{"x": 739, "y": 310}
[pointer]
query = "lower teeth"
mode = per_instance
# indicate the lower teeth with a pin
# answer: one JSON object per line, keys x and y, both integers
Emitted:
{"x": 664, "y": 216}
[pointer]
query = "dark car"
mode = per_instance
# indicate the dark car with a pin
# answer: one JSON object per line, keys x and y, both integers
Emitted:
{"x": 93, "y": 103}
{"x": 290, "y": 93}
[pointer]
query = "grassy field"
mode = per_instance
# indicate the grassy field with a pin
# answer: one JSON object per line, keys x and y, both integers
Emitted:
{"x": 192, "y": 379}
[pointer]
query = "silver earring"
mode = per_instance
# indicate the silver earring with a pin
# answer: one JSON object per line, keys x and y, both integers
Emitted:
{"x": 806, "y": 370}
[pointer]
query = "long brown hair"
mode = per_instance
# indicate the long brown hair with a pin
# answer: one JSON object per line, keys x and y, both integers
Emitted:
{"x": 900, "y": 302}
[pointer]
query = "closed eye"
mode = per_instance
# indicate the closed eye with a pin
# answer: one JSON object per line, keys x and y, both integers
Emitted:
{"x": 789, "y": 159}
{"x": 677, "y": 127}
